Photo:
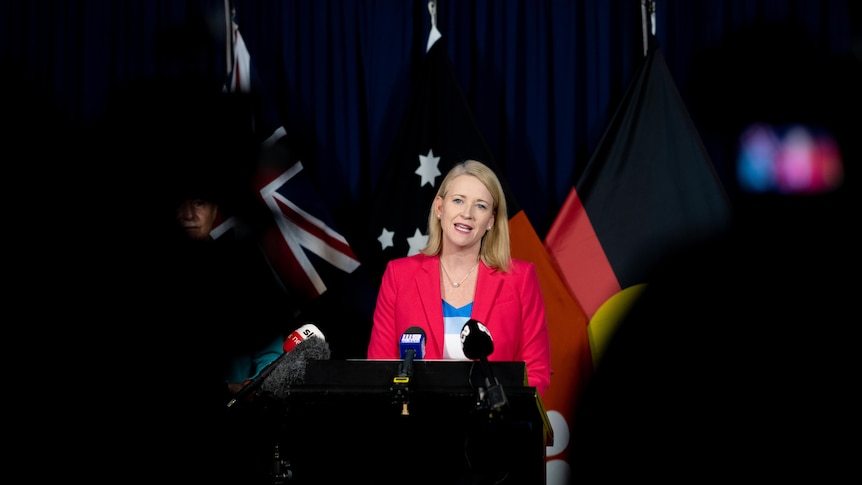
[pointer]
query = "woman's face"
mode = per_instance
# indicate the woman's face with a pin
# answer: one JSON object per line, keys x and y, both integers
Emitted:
{"x": 466, "y": 212}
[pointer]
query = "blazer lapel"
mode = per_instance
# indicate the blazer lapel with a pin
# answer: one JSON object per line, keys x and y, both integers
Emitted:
{"x": 487, "y": 288}
{"x": 428, "y": 288}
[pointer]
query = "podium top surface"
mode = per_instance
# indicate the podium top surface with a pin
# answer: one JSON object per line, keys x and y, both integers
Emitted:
{"x": 427, "y": 375}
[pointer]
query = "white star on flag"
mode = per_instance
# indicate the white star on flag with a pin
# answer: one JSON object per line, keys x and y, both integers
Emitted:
{"x": 417, "y": 241}
{"x": 428, "y": 168}
{"x": 385, "y": 239}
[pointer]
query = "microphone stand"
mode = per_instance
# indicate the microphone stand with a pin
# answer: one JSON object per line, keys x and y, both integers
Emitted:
{"x": 493, "y": 395}
{"x": 400, "y": 389}
{"x": 280, "y": 470}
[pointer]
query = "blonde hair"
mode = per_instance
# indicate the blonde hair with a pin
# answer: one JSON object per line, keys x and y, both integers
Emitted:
{"x": 494, "y": 250}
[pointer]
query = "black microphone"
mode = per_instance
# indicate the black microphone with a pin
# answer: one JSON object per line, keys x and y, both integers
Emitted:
{"x": 411, "y": 346}
{"x": 477, "y": 344}
{"x": 476, "y": 340}
{"x": 291, "y": 370}
{"x": 291, "y": 343}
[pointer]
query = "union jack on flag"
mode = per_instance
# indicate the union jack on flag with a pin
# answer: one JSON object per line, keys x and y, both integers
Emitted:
{"x": 298, "y": 238}
{"x": 301, "y": 245}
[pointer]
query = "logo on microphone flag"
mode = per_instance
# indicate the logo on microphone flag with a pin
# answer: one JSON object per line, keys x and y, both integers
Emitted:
{"x": 411, "y": 338}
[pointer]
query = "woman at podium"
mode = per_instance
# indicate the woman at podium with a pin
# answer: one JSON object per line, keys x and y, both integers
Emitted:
{"x": 465, "y": 271}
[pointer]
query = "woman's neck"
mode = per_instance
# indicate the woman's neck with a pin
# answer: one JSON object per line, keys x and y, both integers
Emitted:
{"x": 459, "y": 259}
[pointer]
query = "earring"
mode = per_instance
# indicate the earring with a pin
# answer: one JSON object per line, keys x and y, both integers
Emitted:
{"x": 489, "y": 228}
{"x": 438, "y": 216}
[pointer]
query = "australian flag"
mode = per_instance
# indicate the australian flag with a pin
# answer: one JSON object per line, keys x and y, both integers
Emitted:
{"x": 289, "y": 220}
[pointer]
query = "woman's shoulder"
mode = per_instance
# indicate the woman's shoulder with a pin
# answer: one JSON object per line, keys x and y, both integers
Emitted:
{"x": 521, "y": 268}
{"x": 521, "y": 265}
{"x": 413, "y": 261}
{"x": 517, "y": 268}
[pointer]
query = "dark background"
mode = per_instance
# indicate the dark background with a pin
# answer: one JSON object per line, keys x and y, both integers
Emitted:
{"x": 90, "y": 87}
{"x": 542, "y": 78}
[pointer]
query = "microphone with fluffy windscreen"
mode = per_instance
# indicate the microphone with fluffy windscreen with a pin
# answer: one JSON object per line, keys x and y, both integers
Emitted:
{"x": 288, "y": 367}
{"x": 291, "y": 370}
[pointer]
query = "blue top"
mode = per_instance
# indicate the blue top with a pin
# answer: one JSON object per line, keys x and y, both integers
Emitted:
{"x": 454, "y": 320}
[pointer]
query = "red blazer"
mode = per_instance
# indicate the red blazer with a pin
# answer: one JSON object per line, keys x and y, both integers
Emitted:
{"x": 509, "y": 304}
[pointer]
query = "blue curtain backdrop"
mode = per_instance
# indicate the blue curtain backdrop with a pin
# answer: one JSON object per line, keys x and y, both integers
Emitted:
{"x": 90, "y": 85}
{"x": 542, "y": 77}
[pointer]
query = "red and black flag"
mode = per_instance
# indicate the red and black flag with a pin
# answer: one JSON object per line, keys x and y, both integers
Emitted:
{"x": 649, "y": 190}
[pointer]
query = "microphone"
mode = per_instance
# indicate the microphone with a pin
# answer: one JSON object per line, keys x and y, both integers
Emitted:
{"x": 292, "y": 341}
{"x": 411, "y": 346}
{"x": 477, "y": 344}
{"x": 291, "y": 369}
{"x": 476, "y": 340}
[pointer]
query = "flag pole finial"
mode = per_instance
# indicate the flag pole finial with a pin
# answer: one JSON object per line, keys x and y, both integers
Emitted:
{"x": 647, "y": 21}
{"x": 435, "y": 34}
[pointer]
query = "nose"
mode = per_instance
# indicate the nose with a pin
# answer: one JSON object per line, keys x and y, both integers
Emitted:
{"x": 185, "y": 212}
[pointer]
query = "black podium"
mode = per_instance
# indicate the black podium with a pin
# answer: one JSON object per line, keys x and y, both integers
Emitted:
{"x": 347, "y": 424}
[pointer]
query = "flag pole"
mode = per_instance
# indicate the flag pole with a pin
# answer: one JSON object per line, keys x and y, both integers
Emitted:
{"x": 647, "y": 21}
{"x": 228, "y": 27}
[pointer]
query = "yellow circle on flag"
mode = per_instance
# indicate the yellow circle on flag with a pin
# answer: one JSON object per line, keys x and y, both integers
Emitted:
{"x": 606, "y": 319}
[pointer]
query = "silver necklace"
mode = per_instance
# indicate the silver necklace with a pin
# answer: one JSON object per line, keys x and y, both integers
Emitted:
{"x": 456, "y": 284}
